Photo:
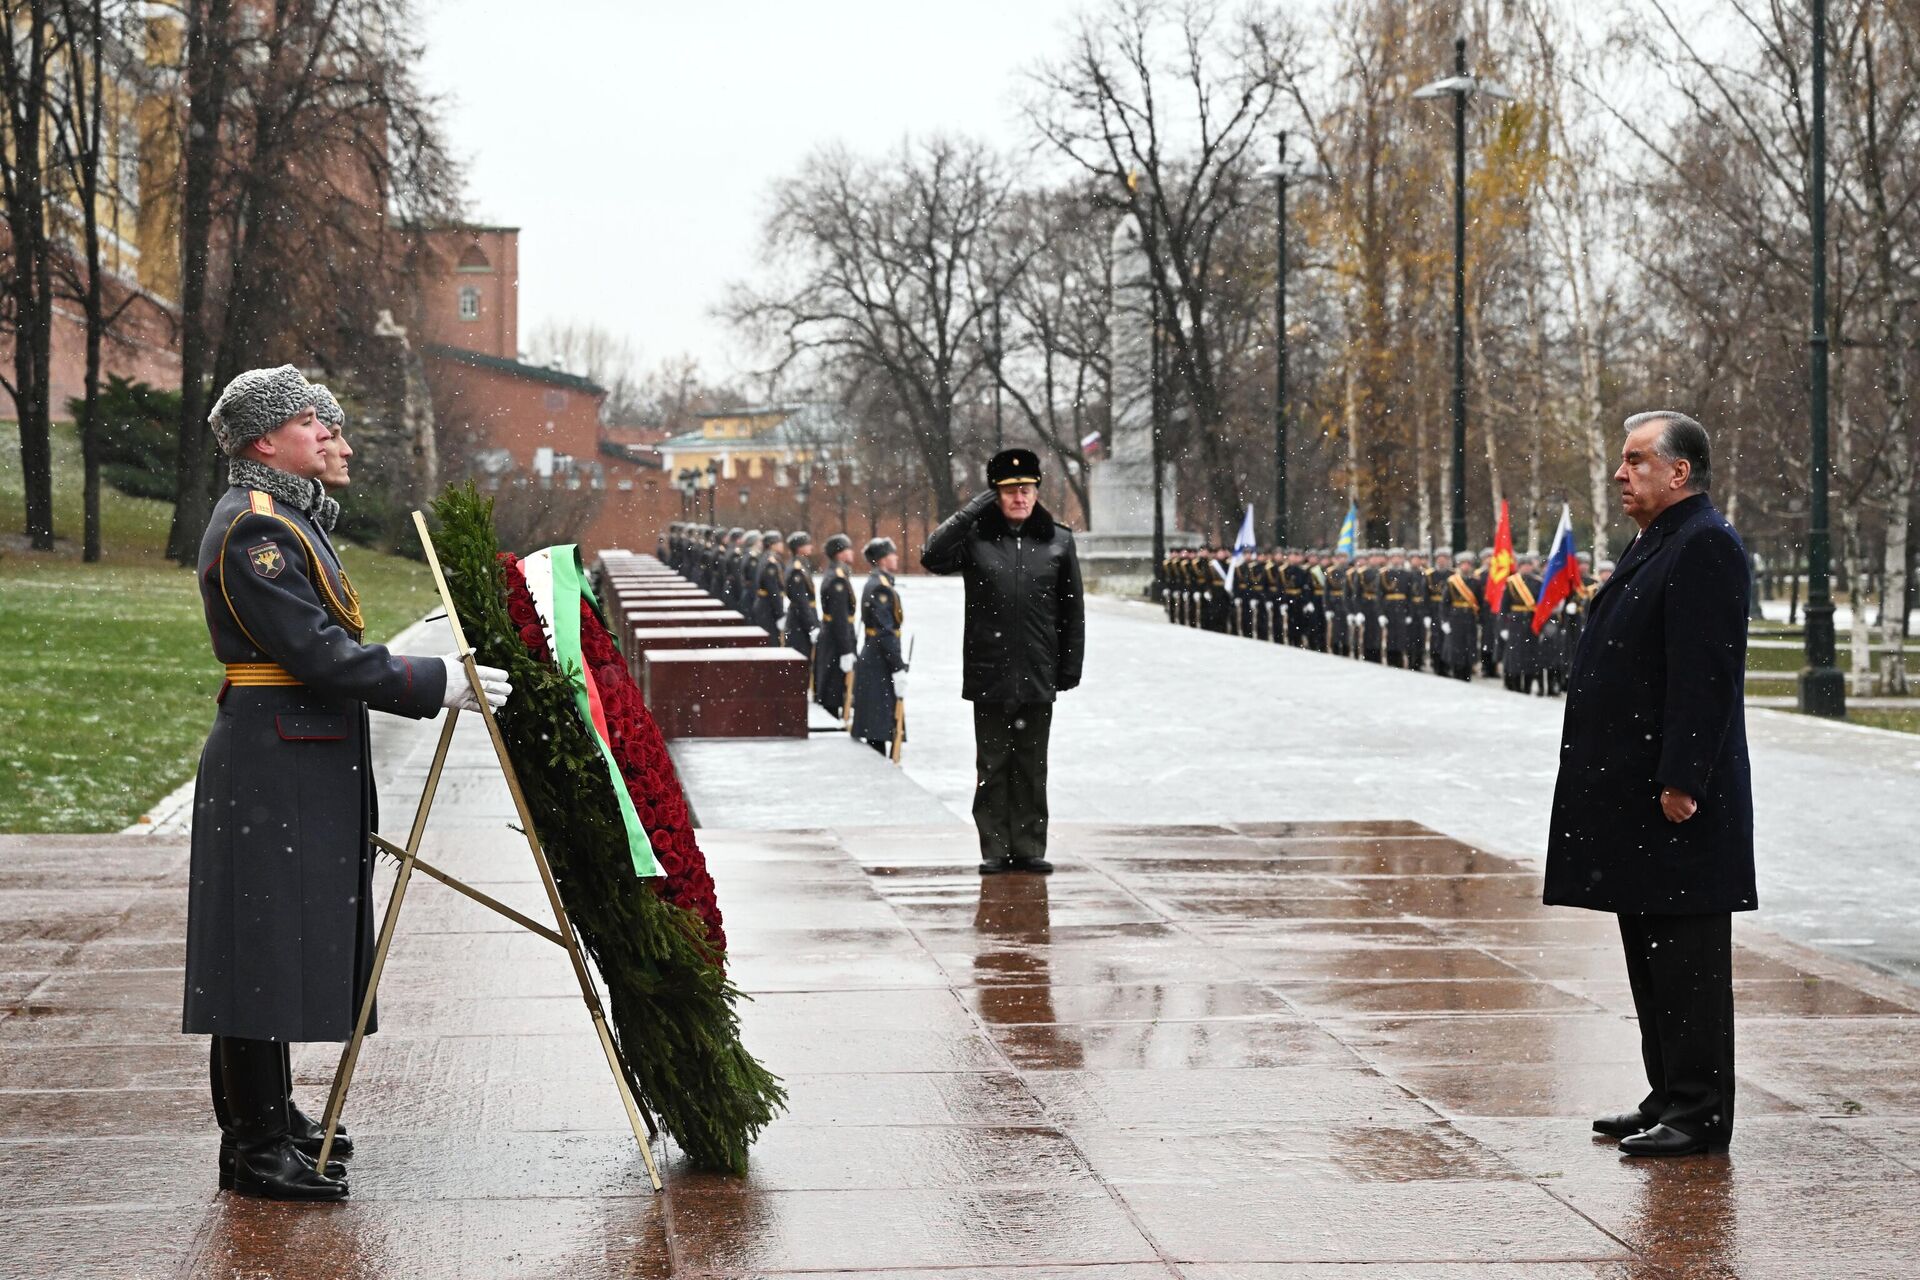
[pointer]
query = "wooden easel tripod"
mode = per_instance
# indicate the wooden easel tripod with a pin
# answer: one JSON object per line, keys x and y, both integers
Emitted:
{"x": 562, "y": 934}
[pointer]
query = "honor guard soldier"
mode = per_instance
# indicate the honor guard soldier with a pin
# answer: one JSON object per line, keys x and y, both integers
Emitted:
{"x": 1437, "y": 575}
{"x": 770, "y": 586}
{"x": 1372, "y": 604}
{"x": 834, "y": 651}
{"x": 879, "y": 673}
{"x": 1335, "y": 596}
{"x": 1396, "y": 608}
{"x": 280, "y": 890}
{"x": 1520, "y": 647}
{"x": 1489, "y": 650}
{"x": 1419, "y": 611}
{"x": 802, "y": 618}
{"x": 1296, "y": 584}
{"x": 1460, "y": 608}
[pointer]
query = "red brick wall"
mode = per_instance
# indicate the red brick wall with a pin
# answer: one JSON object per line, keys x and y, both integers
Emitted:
{"x": 478, "y": 408}
{"x": 147, "y": 349}
{"x": 497, "y": 330}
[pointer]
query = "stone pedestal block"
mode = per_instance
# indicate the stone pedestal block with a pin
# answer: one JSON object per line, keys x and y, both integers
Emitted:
{"x": 726, "y": 693}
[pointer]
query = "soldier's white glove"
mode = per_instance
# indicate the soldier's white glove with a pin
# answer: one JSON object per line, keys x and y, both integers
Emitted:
{"x": 1446, "y": 628}
{"x": 1383, "y": 619}
{"x": 814, "y": 634}
{"x": 846, "y": 663}
{"x": 1311, "y": 609}
{"x": 899, "y": 684}
{"x": 459, "y": 694}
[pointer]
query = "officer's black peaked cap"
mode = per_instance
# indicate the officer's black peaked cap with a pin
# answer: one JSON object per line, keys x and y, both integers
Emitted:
{"x": 1014, "y": 466}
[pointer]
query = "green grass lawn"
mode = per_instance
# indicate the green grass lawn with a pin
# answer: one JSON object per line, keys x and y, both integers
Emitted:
{"x": 110, "y": 681}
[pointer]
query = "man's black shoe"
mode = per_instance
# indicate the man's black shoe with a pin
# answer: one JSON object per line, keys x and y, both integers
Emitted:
{"x": 994, "y": 866}
{"x": 275, "y": 1171}
{"x": 307, "y": 1133}
{"x": 1624, "y": 1125}
{"x": 1038, "y": 866}
{"x": 1662, "y": 1140}
{"x": 334, "y": 1168}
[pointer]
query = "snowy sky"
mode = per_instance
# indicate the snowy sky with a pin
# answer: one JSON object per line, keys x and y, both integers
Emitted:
{"x": 634, "y": 141}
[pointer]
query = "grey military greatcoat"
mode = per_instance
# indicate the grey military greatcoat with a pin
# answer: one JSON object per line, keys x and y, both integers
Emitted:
{"x": 880, "y": 657}
{"x": 279, "y": 906}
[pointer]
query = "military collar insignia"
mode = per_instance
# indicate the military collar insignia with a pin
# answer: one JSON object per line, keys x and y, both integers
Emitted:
{"x": 301, "y": 494}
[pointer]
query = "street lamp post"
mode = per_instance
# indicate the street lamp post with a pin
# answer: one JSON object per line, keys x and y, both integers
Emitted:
{"x": 1823, "y": 691}
{"x": 1460, "y": 86}
{"x": 1280, "y": 346}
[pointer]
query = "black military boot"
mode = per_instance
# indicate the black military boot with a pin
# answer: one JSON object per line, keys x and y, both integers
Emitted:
{"x": 265, "y": 1162}
{"x": 307, "y": 1133}
{"x": 222, "y": 1113}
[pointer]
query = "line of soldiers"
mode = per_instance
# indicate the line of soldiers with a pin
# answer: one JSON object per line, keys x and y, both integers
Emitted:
{"x": 768, "y": 577}
{"x": 1421, "y": 610}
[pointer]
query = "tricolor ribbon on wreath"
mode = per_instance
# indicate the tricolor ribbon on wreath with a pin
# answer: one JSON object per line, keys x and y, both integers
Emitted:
{"x": 558, "y": 583}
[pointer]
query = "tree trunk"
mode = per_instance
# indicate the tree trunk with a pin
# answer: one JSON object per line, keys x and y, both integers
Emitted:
{"x": 1893, "y": 610}
{"x": 206, "y": 76}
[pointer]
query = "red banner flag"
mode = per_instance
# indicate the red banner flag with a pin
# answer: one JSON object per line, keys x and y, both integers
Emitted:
{"x": 1501, "y": 566}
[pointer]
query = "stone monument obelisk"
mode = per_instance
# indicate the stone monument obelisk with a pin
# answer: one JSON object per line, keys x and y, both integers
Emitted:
{"x": 1116, "y": 554}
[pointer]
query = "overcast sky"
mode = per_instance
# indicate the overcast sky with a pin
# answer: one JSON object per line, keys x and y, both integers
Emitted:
{"x": 634, "y": 141}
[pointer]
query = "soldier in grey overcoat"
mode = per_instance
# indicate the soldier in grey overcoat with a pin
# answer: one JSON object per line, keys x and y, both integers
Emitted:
{"x": 279, "y": 912}
{"x": 877, "y": 675}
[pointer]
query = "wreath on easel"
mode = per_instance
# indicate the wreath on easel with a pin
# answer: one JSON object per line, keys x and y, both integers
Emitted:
{"x": 657, "y": 941}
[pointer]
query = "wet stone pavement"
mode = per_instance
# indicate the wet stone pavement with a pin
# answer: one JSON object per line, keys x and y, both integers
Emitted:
{"x": 1220, "y": 1052}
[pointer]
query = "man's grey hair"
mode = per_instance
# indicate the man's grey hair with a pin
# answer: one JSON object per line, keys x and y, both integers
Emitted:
{"x": 1682, "y": 438}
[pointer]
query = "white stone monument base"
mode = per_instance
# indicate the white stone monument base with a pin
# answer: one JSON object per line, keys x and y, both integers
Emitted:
{"x": 1116, "y": 554}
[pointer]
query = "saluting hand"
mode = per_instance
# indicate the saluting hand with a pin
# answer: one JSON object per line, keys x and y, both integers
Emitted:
{"x": 1677, "y": 805}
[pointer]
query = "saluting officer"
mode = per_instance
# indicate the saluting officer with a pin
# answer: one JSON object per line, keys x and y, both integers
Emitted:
{"x": 833, "y": 656}
{"x": 802, "y": 617}
{"x": 279, "y": 899}
{"x": 879, "y": 673}
{"x": 1024, "y": 645}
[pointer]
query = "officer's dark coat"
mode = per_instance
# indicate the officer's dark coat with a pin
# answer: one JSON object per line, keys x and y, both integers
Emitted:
{"x": 279, "y": 903}
{"x": 873, "y": 696}
{"x": 801, "y": 615}
{"x": 837, "y": 637}
{"x": 764, "y": 598}
{"x": 1657, "y": 699}
{"x": 1026, "y": 623}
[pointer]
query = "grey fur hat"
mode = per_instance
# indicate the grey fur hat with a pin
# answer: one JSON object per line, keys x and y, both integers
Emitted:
{"x": 255, "y": 403}
{"x": 327, "y": 407}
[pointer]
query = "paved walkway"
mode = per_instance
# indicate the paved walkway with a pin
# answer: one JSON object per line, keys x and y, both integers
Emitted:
{"x": 1217, "y": 1051}
{"x": 1175, "y": 724}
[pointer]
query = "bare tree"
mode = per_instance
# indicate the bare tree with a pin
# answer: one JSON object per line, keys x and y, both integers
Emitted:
{"x": 883, "y": 281}
{"x": 323, "y": 139}
{"x": 28, "y": 55}
{"x": 1160, "y": 106}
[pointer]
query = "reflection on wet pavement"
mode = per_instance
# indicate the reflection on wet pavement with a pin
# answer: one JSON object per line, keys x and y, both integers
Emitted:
{"x": 1210, "y": 1052}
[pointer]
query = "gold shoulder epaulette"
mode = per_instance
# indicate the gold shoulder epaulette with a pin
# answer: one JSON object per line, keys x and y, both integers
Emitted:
{"x": 262, "y": 502}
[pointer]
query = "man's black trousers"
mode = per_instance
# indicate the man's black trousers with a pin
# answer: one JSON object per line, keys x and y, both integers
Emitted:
{"x": 1010, "y": 779}
{"x": 1681, "y": 971}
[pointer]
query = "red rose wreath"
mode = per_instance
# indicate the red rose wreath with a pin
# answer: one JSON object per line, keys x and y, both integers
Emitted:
{"x": 640, "y": 752}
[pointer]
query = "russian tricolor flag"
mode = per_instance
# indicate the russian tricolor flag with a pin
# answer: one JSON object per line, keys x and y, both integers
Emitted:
{"x": 1562, "y": 575}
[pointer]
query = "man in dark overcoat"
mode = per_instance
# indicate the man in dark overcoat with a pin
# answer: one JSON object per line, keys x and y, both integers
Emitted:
{"x": 1024, "y": 645}
{"x": 802, "y": 616}
{"x": 834, "y": 651}
{"x": 279, "y": 906}
{"x": 879, "y": 673}
{"x": 1653, "y": 813}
